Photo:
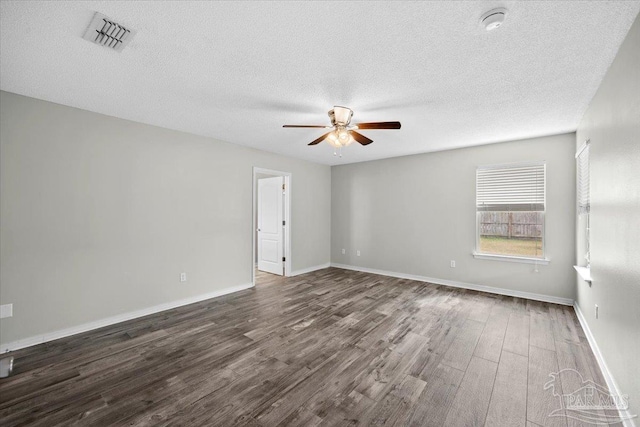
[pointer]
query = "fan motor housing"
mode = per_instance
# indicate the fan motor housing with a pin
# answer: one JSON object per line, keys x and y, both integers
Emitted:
{"x": 340, "y": 116}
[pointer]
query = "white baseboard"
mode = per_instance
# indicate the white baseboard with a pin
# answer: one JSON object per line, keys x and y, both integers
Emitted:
{"x": 464, "y": 285}
{"x": 310, "y": 269}
{"x": 50, "y": 336}
{"x": 608, "y": 377}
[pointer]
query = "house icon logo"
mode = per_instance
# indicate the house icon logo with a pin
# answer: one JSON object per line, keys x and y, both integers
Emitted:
{"x": 585, "y": 400}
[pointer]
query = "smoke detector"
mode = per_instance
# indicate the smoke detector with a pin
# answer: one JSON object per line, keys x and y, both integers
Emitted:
{"x": 106, "y": 32}
{"x": 493, "y": 19}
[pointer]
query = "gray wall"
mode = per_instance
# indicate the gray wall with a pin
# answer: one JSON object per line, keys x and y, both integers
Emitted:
{"x": 414, "y": 214}
{"x": 612, "y": 123}
{"x": 100, "y": 215}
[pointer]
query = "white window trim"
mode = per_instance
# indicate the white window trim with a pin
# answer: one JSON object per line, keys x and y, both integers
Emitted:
{"x": 579, "y": 193}
{"x": 582, "y": 148}
{"x": 584, "y": 273}
{"x": 510, "y": 258}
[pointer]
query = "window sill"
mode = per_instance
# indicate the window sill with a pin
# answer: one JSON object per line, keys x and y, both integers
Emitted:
{"x": 523, "y": 260}
{"x": 584, "y": 273}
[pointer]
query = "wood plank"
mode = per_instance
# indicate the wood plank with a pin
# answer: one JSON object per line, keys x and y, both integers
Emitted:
{"x": 516, "y": 338}
{"x": 541, "y": 403}
{"x": 409, "y": 389}
{"x": 164, "y": 410}
{"x": 575, "y": 373}
{"x": 490, "y": 343}
{"x": 461, "y": 350}
{"x": 395, "y": 407}
{"x": 481, "y": 307}
{"x": 435, "y": 400}
{"x": 283, "y": 404}
{"x": 564, "y": 328}
{"x": 301, "y": 418}
{"x": 348, "y": 410}
{"x": 469, "y": 408}
{"x": 508, "y": 406}
{"x": 541, "y": 331}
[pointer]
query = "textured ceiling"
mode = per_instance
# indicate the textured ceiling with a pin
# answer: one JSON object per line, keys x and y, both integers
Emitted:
{"x": 238, "y": 71}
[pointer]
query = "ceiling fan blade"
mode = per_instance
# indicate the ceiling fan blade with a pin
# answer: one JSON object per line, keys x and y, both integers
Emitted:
{"x": 360, "y": 138}
{"x": 305, "y": 126}
{"x": 319, "y": 140}
{"x": 379, "y": 125}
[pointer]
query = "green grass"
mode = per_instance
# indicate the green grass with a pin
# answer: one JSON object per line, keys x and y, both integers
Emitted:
{"x": 516, "y": 247}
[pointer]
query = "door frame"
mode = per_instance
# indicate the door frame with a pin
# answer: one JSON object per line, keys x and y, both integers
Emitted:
{"x": 287, "y": 219}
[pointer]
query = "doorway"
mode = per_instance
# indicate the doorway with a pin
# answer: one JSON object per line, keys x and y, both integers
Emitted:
{"x": 271, "y": 230}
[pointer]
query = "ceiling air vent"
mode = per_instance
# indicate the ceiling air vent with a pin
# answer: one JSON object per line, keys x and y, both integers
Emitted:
{"x": 105, "y": 32}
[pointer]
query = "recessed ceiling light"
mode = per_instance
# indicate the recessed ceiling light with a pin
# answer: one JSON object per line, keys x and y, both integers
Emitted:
{"x": 493, "y": 19}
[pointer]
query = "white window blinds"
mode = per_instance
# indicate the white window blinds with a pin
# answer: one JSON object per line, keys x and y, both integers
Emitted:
{"x": 582, "y": 157}
{"x": 510, "y": 188}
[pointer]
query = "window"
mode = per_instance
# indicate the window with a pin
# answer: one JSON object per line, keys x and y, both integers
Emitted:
{"x": 584, "y": 201}
{"x": 510, "y": 206}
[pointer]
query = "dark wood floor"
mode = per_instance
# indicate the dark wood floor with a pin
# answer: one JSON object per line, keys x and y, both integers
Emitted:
{"x": 332, "y": 347}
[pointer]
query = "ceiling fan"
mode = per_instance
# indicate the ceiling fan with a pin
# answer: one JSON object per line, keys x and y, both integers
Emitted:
{"x": 343, "y": 133}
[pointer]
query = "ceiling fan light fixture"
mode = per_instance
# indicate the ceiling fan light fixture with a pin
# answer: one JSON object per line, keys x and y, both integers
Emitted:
{"x": 343, "y": 136}
{"x": 333, "y": 139}
{"x": 339, "y": 138}
{"x": 349, "y": 141}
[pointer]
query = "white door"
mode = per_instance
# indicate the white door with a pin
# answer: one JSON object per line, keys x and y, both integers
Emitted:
{"x": 270, "y": 227}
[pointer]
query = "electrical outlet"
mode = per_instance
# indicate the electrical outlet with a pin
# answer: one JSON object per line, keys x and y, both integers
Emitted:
{"x": 358, "y": 253}
{"x": 183, "y": 277}
{"x": 453, "y": 264}
{"x": 6, "y": 310}
{"x": 597, "y": 311}
{"x": 344, "y": 251}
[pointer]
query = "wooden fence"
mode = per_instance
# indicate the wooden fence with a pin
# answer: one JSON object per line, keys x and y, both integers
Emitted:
{"x": 525, "y": 225}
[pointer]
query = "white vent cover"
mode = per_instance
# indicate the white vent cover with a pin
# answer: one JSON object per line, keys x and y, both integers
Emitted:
{"x": 105, "y": 32}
